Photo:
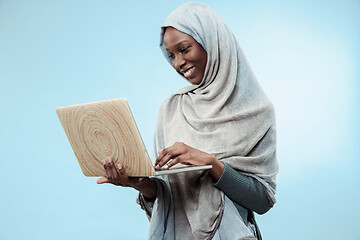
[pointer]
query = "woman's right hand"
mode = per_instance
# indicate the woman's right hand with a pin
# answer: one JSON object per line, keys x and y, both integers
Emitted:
{"x": 115, "y": 175}
{"x": 119, "y": 177}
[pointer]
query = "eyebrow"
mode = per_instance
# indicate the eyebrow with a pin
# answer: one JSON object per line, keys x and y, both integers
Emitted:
{"x": 181, "y": 42}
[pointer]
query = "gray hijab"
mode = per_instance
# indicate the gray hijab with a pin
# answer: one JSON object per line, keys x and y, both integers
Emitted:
{"x": 227, "y": 115}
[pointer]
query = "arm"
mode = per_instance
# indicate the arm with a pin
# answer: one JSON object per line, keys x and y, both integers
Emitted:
{"x": 244, "y": 190}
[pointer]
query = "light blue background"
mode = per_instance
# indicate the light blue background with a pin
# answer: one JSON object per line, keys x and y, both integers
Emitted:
{"x": 306, "y": 55}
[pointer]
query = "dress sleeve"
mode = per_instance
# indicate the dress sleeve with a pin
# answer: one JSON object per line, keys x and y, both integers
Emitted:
{"x": 145, "y": 205}
{"x": 244, "y": 190}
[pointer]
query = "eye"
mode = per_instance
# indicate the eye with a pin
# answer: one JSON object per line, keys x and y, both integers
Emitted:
{"x": 184, "y": 50}
{"x": 171, "y": 56}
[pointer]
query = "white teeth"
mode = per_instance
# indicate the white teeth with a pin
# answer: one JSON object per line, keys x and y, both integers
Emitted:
{"x": 188, "y": 72}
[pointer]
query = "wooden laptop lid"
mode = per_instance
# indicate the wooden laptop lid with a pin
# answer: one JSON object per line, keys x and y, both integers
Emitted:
{"x": 103, "y": 129}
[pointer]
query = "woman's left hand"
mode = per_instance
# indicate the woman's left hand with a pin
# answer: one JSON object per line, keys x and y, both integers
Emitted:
{"x": 182, "y": 153}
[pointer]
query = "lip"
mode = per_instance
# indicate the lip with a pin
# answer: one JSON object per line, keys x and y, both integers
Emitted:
{"x": 188, "y": 72}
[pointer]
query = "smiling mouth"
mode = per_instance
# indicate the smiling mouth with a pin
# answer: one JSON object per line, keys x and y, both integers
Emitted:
{"x": 188, "y": 72}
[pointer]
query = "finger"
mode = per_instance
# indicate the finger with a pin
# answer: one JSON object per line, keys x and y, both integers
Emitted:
{"x": 168, "y": 153}
{"x": 163, "y": 160}
{"x": 113, "y": 171}
{"x": 123, "y": 174}
{"x": 171, "y": 163}
{"x": 164, "y": 152}
{"x": 121, "y": 169}
{"x": 107, "y": 168}
{"x": 160, "y": 156}
{"x": 110, "y": 169}
{"x": 107, "y": 180}
{"x": 102, "y": 180}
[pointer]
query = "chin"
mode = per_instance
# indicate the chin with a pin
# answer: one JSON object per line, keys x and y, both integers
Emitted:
{"x": 194, "y": 81}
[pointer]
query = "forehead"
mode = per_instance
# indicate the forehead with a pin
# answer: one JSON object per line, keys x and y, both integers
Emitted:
{"x": 174, "y": 37}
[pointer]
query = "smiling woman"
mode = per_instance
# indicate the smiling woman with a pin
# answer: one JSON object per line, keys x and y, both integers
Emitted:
{"x": 187, "y": 56}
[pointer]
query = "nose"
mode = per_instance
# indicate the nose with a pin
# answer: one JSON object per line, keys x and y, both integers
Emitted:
{"x": 178, "y": 62}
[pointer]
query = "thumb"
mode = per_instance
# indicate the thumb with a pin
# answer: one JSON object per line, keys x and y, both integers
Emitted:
{"x": 102, "y": 180}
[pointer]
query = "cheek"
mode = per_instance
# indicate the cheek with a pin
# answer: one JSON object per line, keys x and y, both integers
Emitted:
{"x": 199, "y": 58}
{"x": 204, "y": 62}
{"x": 202, "y": 57}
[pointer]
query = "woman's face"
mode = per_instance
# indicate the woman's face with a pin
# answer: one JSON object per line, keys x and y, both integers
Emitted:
{"x": 187, "y": 56}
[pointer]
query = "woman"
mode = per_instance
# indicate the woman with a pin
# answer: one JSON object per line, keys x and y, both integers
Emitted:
{"x": 223, "y": 119}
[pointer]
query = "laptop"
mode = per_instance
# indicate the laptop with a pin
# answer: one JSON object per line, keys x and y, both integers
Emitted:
{"x": 107, "y": 128}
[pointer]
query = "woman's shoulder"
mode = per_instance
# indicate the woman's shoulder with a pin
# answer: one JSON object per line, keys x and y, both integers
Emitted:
{"x": 169, "y": 102}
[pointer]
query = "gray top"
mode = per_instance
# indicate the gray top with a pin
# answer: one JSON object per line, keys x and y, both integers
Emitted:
{"x": 245, "y": 192}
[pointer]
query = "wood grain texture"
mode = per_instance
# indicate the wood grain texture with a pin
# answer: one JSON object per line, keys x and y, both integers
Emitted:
{"x": 105, "y": 129}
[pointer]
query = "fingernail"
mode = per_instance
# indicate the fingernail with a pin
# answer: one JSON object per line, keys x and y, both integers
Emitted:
{"x": 119, "y": 166}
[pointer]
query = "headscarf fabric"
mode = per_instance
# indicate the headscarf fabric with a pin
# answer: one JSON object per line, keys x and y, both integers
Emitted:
{"x": 227, "y": 114}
